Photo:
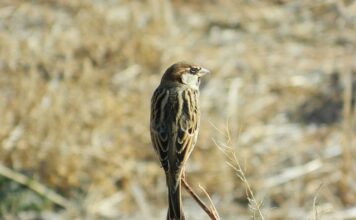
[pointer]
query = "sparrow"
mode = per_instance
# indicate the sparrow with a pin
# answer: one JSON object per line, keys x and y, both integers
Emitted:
{"x": 174, "y": 126}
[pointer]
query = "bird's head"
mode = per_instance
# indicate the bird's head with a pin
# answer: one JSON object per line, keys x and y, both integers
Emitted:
{"x": 185, "y": 74}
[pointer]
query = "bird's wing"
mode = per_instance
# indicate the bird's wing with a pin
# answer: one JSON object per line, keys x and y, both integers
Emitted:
{"x": 159, "y": 125}
{"x": 187, "y": 126}
{"x": 174, "y": 127}
{"x": 186, "y": 133}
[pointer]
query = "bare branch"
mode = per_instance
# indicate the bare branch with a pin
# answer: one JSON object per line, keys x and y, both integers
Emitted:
{"x": 212, "y": 212}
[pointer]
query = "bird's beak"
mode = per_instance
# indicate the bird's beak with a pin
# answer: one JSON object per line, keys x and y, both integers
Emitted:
{"x": 203, "y": 72}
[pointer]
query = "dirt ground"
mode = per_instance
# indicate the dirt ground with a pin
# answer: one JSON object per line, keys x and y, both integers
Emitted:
{"x": 277, "y": 137}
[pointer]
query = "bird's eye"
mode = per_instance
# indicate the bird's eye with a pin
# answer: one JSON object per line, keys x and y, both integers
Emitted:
{"x": 194, "y": 70}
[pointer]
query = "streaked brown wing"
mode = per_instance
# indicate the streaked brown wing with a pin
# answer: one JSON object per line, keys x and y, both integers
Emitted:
{"x": 187, "y": 126}
{"x": 174, "y": 126}
{"x": 159, "y": 125}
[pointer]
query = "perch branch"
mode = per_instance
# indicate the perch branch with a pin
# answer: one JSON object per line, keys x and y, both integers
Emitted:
{"x": 212, "y": 213}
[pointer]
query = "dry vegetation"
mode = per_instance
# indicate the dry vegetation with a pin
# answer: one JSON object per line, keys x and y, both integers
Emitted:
{"x": 76, "y": 79}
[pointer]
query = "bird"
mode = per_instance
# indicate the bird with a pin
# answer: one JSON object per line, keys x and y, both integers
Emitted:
{"x": 174, "y": 126}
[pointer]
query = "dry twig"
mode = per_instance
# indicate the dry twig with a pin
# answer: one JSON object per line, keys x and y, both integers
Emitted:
{"x": 212, "y": 207}
{"x": 212, "y": 212}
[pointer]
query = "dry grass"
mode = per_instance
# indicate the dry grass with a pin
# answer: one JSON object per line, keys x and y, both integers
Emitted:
{"x": 75, "y": 84}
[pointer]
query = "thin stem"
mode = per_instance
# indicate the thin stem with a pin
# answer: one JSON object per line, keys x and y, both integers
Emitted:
{"x": 208, "y": 211}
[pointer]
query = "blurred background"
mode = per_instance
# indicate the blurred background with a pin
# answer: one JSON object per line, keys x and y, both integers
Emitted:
{"x": 277, "y": 137}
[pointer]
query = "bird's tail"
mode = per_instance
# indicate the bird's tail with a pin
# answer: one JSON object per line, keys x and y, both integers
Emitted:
{"x": 175, "y": 209}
